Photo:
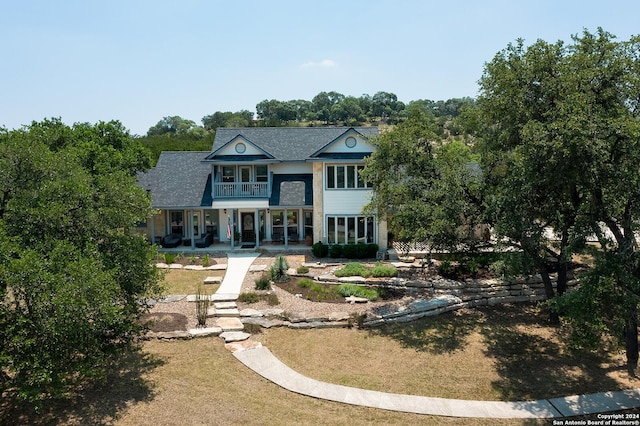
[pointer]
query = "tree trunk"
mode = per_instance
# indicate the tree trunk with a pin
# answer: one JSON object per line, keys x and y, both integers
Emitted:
{"x": 562, "y": 278}
{"x": 554, "y": 318}
{"x": 631, "y": 343}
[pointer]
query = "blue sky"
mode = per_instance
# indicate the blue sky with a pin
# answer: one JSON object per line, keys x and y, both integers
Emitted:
{"x": 138, "y": 61}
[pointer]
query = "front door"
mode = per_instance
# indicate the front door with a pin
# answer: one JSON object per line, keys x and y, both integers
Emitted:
{"x": 248, "y": 227}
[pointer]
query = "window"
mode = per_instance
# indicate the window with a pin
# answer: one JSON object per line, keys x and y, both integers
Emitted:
{"x": 176, "y": 223}
{"x": 262, "y": 174}
{"x": 308, "y": 223}
{"x": 350, "y": 229}
{"x": 331, "y": 177}
{"x": 347, "y": 176}
{"x": 228, "y": 174}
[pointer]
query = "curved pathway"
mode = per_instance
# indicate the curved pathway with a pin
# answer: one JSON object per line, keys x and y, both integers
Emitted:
{"x": 262, "y": 361}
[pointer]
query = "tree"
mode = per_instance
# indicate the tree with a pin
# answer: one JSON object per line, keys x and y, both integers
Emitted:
{"x": 560, "y": 136}
{"x": 386, "y": 106}
{"x": 427, "y": 191}
{"x": 72, "y": 273}
{"x": 276, "y": 113}
{"x": 322, "y": 104}
{"x": 174, "y": 125}
{"x": 243, "y": 118}
{"x": 348, "y": 111}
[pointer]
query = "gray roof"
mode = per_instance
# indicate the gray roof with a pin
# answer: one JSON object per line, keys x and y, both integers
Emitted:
{"x": 288, "y": 143}
{"x": 179, "y": 179}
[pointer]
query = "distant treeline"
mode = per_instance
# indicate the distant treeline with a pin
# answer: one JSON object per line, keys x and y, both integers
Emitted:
{"x": 174, "y": 133}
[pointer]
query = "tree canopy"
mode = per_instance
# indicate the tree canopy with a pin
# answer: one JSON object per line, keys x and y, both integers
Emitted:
{"x": 556, "y": 144}
{"x": 72, "y": 271}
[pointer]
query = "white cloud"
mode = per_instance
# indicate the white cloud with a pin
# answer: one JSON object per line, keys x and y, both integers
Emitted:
{"x": 325, "y": 63}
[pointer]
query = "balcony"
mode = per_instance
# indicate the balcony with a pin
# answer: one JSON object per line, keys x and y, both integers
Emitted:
{"x": 241, "y": 190}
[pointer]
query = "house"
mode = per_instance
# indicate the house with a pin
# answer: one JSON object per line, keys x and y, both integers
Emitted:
{"x": 266, "y": 185}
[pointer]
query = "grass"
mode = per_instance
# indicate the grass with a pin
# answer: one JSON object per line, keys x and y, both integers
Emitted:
{"x": 179, "y": 281}
{"x": 346, "y": 290}
{"x": 354, "y": 269}
{"x": 502, "y": 353}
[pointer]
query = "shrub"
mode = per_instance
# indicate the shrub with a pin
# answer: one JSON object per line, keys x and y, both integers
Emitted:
{"x": 205, "y": 260}
{"x": 335, "y": 251}
{"x": 192, "y": 259}
{"x": 248, "y": 297}
{"x": 169, "y": 258}
{"x": 346, "y": 290}
{"x": 305, "y": 282}
{"x": 263, "y": 283}
{"x": 350, "y": 251}
{"x": 202, "y": 307}
{"x": 381, "y": 270}
{"x": 278, "y": 270}
{"x": 319, "y": 249}
{"x": 353, "y": 270}
{"x": 445, "y": 267}
{"x": 272, "y": 299}
{"x": 302, "y": 269}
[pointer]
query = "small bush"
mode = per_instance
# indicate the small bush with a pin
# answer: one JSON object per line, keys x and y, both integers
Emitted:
{"x": 202, "y": 307}
{"x": 305, "y": 282}
{"x": 272, "y": 299}
{"x": 346, "y": 290}
{"x": 192, "y": 259}
{"x": 249, "y": 297}
{"x": 278, "y": 270}
{"x": 445, "y": 267}
{"x": 335, "y": 251}
{"x": 169, "y": 258}
{"x": 319, "y": 249}
{"x": 302, "y": 269}
{"x": 353, "y": 270}
{"x": 381, "y": 270}
{"x": 263, "y": 283}
{"x": 205, "y": 260}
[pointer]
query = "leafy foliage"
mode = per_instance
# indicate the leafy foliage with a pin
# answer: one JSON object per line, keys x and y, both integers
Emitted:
{"x": 346, "y": 290}
{"x": 263, "y": 283}
{"x": 72, "y": 274}
{"x": 278, "y": 271}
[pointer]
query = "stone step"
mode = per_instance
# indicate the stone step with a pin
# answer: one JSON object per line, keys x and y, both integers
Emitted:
{"x": 225, "y": 305}
{"x": 234, "y": 336}
{"x": 232, "y": 312}
{"x": 213, "y": 280}
{"x": 224, "y": 297}
{"x": 230, "y": 324}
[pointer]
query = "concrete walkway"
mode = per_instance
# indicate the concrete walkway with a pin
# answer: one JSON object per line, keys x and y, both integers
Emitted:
{"x": 262, "y": 361}
{"x": 237, "y": 267}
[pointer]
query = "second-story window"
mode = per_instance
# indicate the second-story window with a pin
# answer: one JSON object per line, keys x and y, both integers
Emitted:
{"x": 345, "y": 177}
{"x": 262, "y": 174}
{"x": 228, "y": 174}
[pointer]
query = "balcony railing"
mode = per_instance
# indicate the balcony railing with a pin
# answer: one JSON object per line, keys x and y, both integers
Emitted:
{"x": 241, "y": 190}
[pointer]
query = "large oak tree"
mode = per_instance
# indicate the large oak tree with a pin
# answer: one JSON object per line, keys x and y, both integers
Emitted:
{"x": 73, "y": 275}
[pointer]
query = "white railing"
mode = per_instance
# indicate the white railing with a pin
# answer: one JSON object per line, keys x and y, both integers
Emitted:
{"x": 241, "y": 190}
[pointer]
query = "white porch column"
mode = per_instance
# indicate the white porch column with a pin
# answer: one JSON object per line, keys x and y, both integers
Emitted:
{"x": 285, "y": 221}
{"x": 230, "y": 221}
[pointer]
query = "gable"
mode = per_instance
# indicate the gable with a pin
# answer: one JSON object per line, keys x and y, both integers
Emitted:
{"x": 290, "y": 144}
{"x": 349, "y": 145}
{"x": 238, "y": 149}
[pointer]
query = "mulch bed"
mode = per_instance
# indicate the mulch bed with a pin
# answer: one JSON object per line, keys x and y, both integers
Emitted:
{"x": 165, "y": 321}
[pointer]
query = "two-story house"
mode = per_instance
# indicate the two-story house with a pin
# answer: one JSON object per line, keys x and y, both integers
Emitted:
{"x": 266, "y": 185}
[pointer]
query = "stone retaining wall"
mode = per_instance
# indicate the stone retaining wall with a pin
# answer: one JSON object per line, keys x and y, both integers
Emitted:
{"x": 441, "y": 295}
